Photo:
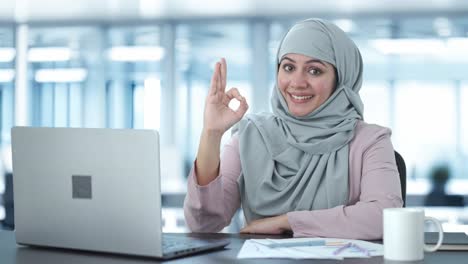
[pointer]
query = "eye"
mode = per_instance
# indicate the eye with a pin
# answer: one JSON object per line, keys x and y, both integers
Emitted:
{"x": 288, "y": 67}
{"x": 315, "y": 71}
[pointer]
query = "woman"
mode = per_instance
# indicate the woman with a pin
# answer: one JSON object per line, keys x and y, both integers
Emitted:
{"x": 312, "y": 167}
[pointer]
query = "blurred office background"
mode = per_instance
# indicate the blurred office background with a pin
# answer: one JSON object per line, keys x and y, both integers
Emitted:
{"x": 147, "y": 64}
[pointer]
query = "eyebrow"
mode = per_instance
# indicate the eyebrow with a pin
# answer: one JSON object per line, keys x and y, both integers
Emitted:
{"x": 309, "y": 61}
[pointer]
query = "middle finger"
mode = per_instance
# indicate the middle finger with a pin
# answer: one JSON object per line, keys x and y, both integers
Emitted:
{"x": 223, "y": 74}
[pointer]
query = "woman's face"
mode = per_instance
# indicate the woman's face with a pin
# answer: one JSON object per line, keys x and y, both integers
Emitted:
{"x": 305, "y": 82}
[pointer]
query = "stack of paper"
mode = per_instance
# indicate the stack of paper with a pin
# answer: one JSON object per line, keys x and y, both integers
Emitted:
{"x": 309, "y": 248}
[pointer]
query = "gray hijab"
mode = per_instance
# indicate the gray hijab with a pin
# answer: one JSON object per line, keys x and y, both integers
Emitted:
{"x": 301, "y": 163}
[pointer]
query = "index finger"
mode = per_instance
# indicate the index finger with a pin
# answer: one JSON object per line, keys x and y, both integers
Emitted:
{"x": 214, "y": 80}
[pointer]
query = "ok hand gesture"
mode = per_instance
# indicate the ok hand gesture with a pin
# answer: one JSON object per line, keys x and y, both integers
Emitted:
{"x": 218, "y": 117}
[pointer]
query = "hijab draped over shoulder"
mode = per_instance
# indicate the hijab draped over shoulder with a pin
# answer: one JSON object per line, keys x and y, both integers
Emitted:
{"x": 301, "y": 163}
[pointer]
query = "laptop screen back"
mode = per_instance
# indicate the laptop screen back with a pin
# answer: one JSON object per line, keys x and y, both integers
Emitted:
{"x": 88, "y": 188}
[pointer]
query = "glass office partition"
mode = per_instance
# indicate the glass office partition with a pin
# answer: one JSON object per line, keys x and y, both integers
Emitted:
{"x": 376, "y": 97}
{"x": 426, "y": 59}
{"x": 134, "y": 85}
{"x": 425, "y": 130}
{"x": 59, "y": 72}
{"x": 7, "y": 78}
{"x": 463, "y": 119}
{"x": 95, "y": 76}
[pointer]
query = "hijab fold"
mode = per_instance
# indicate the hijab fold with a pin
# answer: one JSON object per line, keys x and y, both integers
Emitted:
{"x": 301, "y": 163}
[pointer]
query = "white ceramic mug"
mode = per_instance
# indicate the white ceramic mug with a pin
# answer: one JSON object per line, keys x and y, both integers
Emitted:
{"x": 404, "y": 234}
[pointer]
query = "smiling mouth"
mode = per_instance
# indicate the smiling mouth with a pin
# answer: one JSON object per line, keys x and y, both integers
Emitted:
{"x": 300, "y": 99}
{"x": 296, "y": 97}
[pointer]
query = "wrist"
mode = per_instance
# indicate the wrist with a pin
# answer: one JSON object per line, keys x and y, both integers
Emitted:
{"x": 285, "y": 223}
{"x": 212, "y": 133}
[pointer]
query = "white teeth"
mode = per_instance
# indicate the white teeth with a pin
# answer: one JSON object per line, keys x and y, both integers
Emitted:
{"x": 301, "y": 97}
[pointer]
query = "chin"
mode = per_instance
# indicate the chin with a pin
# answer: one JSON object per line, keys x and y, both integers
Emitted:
{"x": 299, "y": 113}
{"x": 301, "y": 110}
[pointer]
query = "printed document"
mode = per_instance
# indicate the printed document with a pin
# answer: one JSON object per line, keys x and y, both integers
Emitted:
{"x": 309, "y": 248}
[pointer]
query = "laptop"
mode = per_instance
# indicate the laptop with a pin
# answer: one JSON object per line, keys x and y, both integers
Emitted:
{"x": 93, "y": 189}
{"x": 451, "y": 241}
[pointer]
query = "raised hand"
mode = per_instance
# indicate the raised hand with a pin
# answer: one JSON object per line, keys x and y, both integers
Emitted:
{"x": 218, "y": 117}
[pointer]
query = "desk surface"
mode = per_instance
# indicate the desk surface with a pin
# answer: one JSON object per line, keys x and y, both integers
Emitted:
{"x": 10, "y": 253}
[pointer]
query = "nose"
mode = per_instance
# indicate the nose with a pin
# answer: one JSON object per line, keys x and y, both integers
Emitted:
{"x": 298, "y": 80}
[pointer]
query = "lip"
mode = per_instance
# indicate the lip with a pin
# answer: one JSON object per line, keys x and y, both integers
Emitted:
{"x": 299, "y": 101}
{"x": 300, "y": 94}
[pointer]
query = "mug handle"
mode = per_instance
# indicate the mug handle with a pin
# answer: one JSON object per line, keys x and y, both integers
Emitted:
{"x": 441, "y": 234}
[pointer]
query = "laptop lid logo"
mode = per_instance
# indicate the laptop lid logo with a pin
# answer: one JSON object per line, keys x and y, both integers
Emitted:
{"x": 81, "y": 187}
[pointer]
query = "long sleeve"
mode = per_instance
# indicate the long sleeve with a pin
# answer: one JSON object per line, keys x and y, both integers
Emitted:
{"x": 210, "y": 208}
{"x": 374, "y": 186}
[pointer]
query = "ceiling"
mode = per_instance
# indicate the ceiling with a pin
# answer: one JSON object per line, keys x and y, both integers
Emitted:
{"x": 116, "y": 10}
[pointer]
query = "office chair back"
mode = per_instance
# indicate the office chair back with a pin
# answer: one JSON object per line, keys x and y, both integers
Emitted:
{"x": 400, "y": 162}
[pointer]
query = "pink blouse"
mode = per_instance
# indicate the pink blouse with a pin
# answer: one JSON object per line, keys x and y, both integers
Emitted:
{"x": 374, "y": 184}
